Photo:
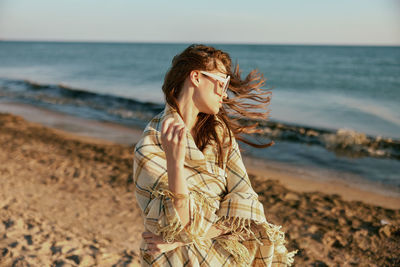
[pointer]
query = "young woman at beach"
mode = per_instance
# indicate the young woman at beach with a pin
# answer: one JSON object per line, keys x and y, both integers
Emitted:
{"x": 198, "y": 205}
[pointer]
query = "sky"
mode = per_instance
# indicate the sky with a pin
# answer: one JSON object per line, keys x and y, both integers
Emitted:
{"x": 337, "y": 22}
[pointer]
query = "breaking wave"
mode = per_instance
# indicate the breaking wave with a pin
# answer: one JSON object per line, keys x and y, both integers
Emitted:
{"x": 343, "y": 142}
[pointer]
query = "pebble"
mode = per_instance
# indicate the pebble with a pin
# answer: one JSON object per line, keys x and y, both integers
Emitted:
{"x": 87, "y": 261}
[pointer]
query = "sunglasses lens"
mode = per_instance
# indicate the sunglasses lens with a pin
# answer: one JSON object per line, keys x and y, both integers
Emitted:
{"x": 220, "y": 79}
{"x": 227, "y": 84}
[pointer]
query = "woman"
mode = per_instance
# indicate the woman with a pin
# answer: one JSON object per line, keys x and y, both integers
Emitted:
{"x": 198, "y": 205}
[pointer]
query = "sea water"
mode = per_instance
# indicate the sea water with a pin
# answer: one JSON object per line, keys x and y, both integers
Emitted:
{"x": 332, "y": 107}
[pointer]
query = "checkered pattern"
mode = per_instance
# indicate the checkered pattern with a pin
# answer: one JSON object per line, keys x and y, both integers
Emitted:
{"x": 218, "y": 196}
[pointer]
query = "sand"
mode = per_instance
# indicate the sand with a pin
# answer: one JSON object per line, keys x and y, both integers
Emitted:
{"x": 68, "y": 200}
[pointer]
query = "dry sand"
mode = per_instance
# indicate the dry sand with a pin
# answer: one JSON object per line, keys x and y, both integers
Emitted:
{"x": 64, "y": 200}
{"x": 67, "y": 200}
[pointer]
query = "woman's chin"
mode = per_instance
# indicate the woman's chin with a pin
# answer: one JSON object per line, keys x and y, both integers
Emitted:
{"x": 212, "y": 110}
{"x": 216, "y": 111}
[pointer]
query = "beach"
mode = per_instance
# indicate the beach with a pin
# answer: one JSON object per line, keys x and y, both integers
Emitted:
{"x": 67, "y": 199}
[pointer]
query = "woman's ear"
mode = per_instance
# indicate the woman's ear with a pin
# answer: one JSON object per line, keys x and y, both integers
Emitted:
{"x": 195, "y": 77}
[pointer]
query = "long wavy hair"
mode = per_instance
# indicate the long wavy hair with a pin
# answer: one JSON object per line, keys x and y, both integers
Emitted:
{"x": 201, "y": 57}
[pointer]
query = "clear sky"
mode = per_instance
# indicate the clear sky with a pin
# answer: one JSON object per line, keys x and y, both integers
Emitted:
{"x": 353, "y": 22}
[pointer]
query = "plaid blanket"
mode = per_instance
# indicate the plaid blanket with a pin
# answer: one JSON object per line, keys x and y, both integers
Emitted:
{"x": 218, "y": 196}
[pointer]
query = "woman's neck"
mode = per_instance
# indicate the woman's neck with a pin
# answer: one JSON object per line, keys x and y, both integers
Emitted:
{"x": 188, "y": 110}
{"x": 189, "y": 113}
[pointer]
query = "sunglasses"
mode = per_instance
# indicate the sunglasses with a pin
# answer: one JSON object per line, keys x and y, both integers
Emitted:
{"x": 225, "y": 81}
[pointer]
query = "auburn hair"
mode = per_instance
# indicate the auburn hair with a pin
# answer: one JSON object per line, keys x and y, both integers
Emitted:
{"x": 201, "y": 57}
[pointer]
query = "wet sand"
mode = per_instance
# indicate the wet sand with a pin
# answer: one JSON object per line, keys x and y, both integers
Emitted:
{"x": 294, "y": 178}
{"x": 69, "y": 199}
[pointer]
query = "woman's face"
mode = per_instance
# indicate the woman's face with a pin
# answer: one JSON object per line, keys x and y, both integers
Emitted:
{"x": 208, "y": 96}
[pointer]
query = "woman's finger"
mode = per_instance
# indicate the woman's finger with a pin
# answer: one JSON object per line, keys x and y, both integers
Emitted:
{"x": 147, "y": 238}
{"x": 169, "y": 134}
{"x": 182, "y": 133}
{"x": 177, "y": 133}
{"x": 174, "y": 127}
{"x": 154, "y": 239}
{"x": 165, "y": 125}
{"x": 147, "y": 234}
{"x": 152, "y": 246}
{"x": 153, "y": 249}
{"x": 151, "y": 238}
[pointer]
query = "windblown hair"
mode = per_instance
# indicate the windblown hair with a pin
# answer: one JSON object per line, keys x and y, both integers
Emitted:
{"x": 201, "y": 57}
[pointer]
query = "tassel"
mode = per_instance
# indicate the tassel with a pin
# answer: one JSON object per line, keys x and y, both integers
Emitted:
{"x": 174, "y": 227}
{"x": 202, "y": 203}
{"x": 171, "y": 231}
{"x": 240, "y": 227}
{"x": 290, "y": 257}
{"x": 238, "y": 251}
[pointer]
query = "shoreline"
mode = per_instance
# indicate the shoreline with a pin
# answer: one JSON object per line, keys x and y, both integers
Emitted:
{"x": 301, "y": 182}
{"x": 68, "y": 199}
{"x": 289, "y": 176}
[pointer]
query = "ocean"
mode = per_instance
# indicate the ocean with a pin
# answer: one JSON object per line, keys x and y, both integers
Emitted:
{"x": 333, "y": 108}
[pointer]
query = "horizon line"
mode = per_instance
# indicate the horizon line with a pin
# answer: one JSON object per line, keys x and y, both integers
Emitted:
{"x": 192, "y": 42}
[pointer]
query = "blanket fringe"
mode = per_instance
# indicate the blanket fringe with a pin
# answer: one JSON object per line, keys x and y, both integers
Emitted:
{"x": 241, "y": 228}
{"x": 174, "y": 227}
{"x": 202, "y": 203}
{"x": 290, "y": 257}
{"x": 237, "y": 226}
{"x": 171, "y": 231}
{"x": 238, "y": 251}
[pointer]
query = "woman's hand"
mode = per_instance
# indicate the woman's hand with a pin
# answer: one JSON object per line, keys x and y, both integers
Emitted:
{"x": 173, "y": 140}
{"x": 156, "y": 244}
